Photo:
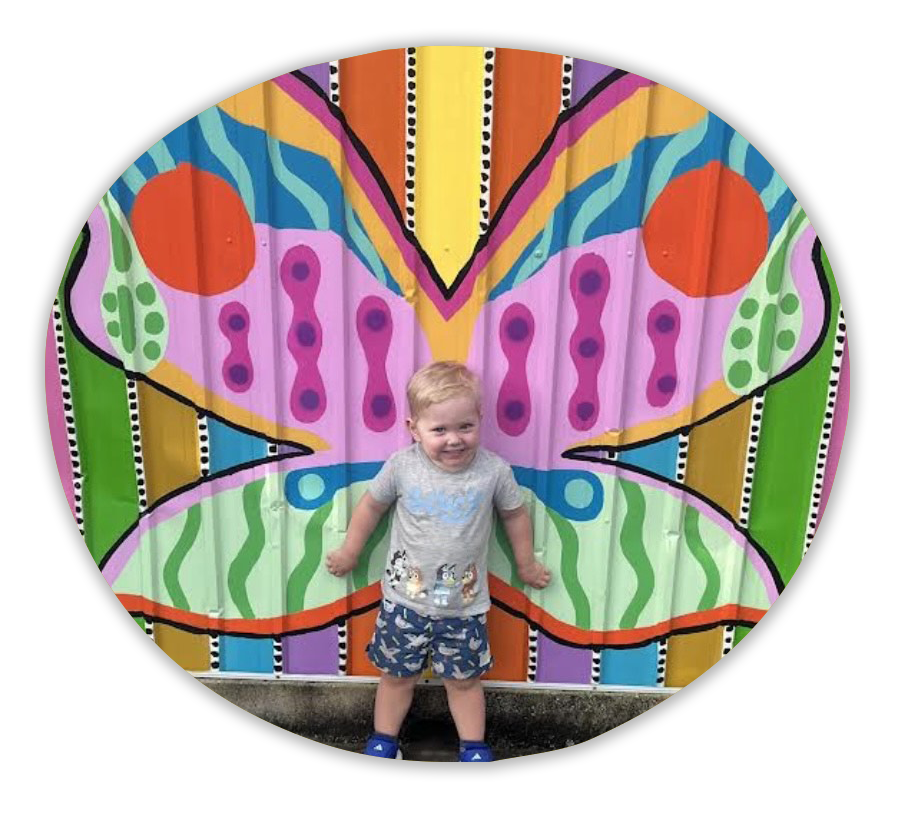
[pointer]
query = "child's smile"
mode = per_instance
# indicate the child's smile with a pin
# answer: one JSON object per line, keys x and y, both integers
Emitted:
{"x": 449, "y": 432}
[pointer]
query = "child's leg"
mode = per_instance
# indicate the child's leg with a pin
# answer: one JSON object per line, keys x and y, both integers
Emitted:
{"x": 393, "y": 698}
{"x": 468, "y": 707}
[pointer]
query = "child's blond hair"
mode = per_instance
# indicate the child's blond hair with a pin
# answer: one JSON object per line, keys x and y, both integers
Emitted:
{"x": 441, "y": 381}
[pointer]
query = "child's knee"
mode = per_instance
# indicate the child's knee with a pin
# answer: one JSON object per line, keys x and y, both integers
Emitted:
{"x": 402, "y": 683}
{"x": 464, "y": 685}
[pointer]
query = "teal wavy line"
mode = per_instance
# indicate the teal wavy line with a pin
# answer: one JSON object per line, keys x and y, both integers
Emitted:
{"x": 217, "y": 140}
{"x": 305, "y": 194}
{"x": 681, "y": 145}
{"x": 250, "y": 551}
{"x": 539, "y": 256}
{"x": 364, "y": 246}
{"x": 171, "y": 571}
{"x": 736, "y": 154}
{"x": 133, "y": 178}
{"x": 772, "y": 192}
{"x": 568, "y": 570}
{"x": 703, "y": 557}
{"x": 631, "y": 541}
{"x": 162, "y": 157}
{"x": 502, "y": 542}
{"x": 360, "y": 576}
{"x": 312, "y": 555}
{"x": 599, "y": 201}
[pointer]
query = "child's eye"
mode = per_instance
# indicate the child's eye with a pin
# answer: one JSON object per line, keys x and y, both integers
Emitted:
{"x": 438, "y": 430}
{"x": 467, "y": 426}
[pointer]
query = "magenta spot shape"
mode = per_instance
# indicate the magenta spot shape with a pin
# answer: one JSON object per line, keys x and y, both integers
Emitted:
{"x": 300, "y": 274}
{"x": 513, "y": 405}
{"x": 374, "y": 328}
{"x": 663, "y": 331}
{"x": 589, "y": 285}
{"x": 237, "y": 368}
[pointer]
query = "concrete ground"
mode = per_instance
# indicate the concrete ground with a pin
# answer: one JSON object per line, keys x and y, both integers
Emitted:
{"x": 520, "y": 721}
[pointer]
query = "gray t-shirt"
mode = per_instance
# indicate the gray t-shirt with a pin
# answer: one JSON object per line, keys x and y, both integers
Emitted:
{"x": 441, "y": 528}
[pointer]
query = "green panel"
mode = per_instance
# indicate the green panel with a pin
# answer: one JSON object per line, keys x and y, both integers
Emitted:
{"x": 790, "y": 432}
{"x": 110, "y": 501}
{"x": 739, "y": 634}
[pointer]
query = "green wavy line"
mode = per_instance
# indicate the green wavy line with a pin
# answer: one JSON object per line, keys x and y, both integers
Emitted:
{"x": 121, "y": 252}
{"x": 250, "y": 551}
{"x": 362, "y": 241}
{"x": 736, "y": 153}
{"x": 703, "y": 557}
{"x": 683, "y": 143}
{"x": 539, "y": 256}
{"x": 301, "y": 575}
{"x": 306, "y": 195}
{"x": 594, "y": 206}
{"x": 631, "y": 542}
{"x": 171, "y": 571}
{"x": 502, "y": 542}
{"x": 777, "y": 264}
{"x": 362, "y": 571}
{"x": 568, "y": 569}
{"x": 217, "y": 140}
{"x": 162, "y": 157}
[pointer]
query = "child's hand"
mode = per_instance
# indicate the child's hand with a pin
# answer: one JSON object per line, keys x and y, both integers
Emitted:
{"x": 340, "y": 561}
{"x": 534, "y": 574}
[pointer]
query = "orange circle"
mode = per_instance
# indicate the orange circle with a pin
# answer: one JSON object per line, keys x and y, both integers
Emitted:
{"x": 707, "y": 232}
{"x": 193, "y": 231}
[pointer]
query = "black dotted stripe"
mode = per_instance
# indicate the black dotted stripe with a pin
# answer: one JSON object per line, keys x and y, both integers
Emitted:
{"x": 214, "y": 652}
{"x": 132, "y": 397}
{"x": 277, "y": 655}
{"x": 410, "y": 135}
{"x": 745, "y": 499}
{"x": 334, "y": 83}
{"x": 596, "y": 666}
{"x": 821, "y": 458}
{"x": 343, "y": 649}
{"x": 532, "y": 654}
{"x": 568, "y": 66}
{"x": 729, "y": 633}
{"x": 661, "y": 663}
{"x": 69, "y": 415}
{"x": 486, "y": 137}
{"x": 682, "y": 457}
{"x": 202, "y": 434}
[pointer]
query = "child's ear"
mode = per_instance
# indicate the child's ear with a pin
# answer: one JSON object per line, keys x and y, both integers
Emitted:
{"x": 412, "y": 428}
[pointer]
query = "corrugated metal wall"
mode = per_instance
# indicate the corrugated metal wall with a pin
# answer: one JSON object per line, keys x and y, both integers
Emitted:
{"x": 657, "y": 326}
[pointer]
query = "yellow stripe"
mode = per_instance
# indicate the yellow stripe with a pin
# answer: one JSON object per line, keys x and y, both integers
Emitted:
{"x": 447, "y": 174}
{"x": 175, "y": 379}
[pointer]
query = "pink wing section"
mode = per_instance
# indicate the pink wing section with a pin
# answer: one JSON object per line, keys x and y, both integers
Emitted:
{"x": 597, "y": 345}
{"x": 310, "y": 348}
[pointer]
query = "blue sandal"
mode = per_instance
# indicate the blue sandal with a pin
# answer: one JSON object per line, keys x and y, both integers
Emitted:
{"x": 382, "y": 746}
{"x": 474, "y": 752}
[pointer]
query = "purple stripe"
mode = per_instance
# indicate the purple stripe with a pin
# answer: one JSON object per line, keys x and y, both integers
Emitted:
{"x": 584, "y": 75}
{"x": 319, "y": 73}
{"x": 315, "y": 652}
{"x": 562, "y": 663}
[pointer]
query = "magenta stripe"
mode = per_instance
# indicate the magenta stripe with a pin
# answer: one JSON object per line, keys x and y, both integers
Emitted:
{"x": 838, "y": 430}
{"x": 584, "y": 75}
{"x": 55, "y": 419}
{"x": 315, "y": 652}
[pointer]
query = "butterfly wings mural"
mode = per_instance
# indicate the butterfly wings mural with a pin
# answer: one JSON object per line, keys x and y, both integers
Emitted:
{"x": 647, "y": 272}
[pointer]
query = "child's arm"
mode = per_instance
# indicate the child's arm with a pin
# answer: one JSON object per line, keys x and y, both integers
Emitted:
{"x": 517, "y": 523}
{"x": 366, "y": 516}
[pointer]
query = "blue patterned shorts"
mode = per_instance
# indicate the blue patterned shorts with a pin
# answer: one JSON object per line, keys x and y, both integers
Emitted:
{"x": 403, "y": 640}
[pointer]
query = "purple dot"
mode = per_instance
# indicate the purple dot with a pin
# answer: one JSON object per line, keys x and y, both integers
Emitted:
{"x": 309, "y": 399}
{"x": 517, "y": 329}
{"x": 666, "y": 384}
{"x": 375, "y": 319}
{"x": 381, "y": 405}
{"x": 585, "y": 410}
{"x": 514, "y": 410}
{"x": 238, "y": 374}
{"x": 588, "y": 347}
{"x": 236, "y": 322}
{"x": 589, "y": 282}
{"x": 306, "y": 334}
{"x": 665, "y": 323}
{"x": 300, "y": 271}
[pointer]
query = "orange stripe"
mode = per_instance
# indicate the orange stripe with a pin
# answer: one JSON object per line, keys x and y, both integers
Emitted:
{"x": 526, "y": 94}
{"x": 360, "y": 632}
{"x": 505, "y": 594}
{"x": 509, "y": 645}
{"x": 373, "y": 101}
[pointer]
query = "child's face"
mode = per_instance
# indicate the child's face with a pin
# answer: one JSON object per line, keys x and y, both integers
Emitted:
{"x": 449, "y": 432}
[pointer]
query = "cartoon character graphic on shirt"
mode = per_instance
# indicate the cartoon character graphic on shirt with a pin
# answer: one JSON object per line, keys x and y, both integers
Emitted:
{"x": 468, "y": 583}
{"x": 445, "y": 583}
{"x": 414, "y": 586}
{"x": 398, "y": 567}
